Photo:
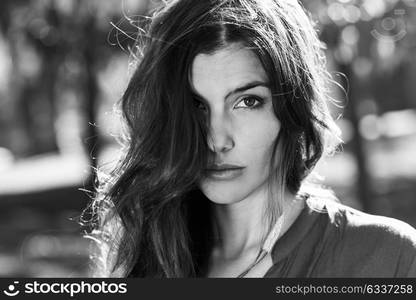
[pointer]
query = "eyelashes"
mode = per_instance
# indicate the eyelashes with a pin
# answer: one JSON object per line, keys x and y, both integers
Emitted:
{"x": 250, "y": 102}
{"x": 246, "y": 102}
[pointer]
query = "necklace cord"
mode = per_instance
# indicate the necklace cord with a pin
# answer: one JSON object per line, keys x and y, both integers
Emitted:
{"x": 272, "y": 237}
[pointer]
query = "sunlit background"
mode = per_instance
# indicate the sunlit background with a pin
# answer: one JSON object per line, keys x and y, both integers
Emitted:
{"x": 64, "y": 64}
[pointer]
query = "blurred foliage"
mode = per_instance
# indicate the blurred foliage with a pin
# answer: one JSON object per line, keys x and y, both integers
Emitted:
{"x": 52, "y": 55}
{"x": 377, "y": 40}
{"x": 372, "y": 43}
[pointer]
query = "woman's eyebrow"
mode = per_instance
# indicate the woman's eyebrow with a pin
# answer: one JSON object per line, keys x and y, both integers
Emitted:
{"x": 247, "y": 86}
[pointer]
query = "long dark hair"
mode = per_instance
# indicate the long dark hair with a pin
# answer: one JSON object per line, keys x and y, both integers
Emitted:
{"x": 149, "y": 218}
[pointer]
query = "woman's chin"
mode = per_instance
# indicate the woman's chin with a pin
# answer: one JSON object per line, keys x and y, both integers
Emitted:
{"x": 222, "y": 194}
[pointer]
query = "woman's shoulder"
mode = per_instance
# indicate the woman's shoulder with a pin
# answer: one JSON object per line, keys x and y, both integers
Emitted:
{"x": 354, "y": 223}
{"x": 369, "y": 226}
{"x": 370, "y": 245}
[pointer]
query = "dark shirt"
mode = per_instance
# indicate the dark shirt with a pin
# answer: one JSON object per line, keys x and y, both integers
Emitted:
{"x": 329, "y": 239}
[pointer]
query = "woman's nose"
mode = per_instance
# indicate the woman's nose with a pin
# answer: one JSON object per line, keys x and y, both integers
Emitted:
{"x": 220, "y": 138}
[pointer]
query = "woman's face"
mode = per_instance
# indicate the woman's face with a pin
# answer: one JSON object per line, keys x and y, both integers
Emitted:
{"x": 232, "y": 90}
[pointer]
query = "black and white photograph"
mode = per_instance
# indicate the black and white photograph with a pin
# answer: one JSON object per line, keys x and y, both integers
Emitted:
{"x": 208, "y": 139}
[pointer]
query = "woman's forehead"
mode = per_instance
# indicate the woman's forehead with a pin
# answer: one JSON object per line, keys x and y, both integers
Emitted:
{"x": 226, "y": 69}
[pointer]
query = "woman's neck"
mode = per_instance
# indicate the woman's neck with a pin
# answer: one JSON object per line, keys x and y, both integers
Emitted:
{"x": 240, "y": 227}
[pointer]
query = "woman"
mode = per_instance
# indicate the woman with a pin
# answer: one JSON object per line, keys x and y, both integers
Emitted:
{"x": 226, "y": 117}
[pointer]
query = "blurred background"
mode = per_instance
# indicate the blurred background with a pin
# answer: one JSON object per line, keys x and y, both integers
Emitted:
{"x": 64, "y": 64}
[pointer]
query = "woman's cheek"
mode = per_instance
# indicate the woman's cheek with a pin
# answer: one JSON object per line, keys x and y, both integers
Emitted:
{"x": 260, "y": 132}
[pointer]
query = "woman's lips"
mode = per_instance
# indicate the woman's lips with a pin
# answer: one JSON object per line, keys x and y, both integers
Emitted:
{"x": 224, "y": 173}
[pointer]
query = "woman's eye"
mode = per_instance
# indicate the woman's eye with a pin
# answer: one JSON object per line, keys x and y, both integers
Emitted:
{"x": 249, "y": 102}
